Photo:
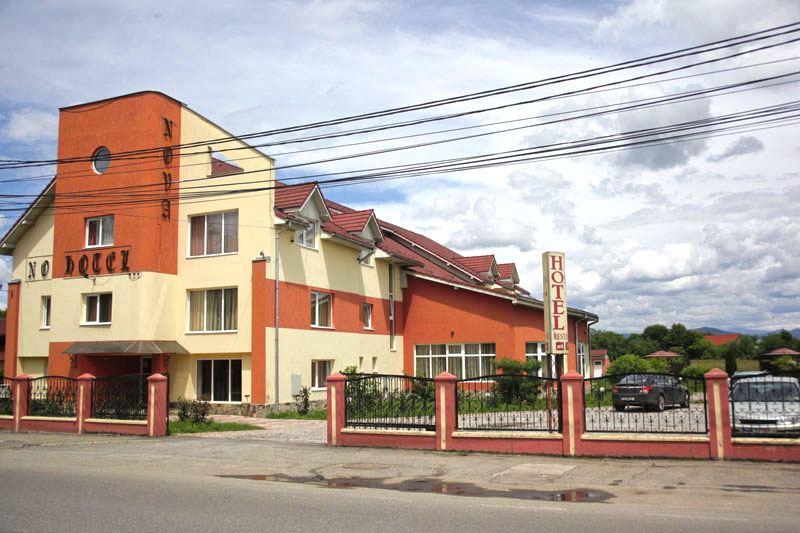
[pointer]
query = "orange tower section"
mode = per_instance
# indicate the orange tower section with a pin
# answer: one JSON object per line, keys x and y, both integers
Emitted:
{"x": 139, "y": 190}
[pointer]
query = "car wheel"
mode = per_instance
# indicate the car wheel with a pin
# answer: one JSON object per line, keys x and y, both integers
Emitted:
{"x": 662, "y": 403}
{"x": 685, "y": 401}
{"x": 618, "y": 407}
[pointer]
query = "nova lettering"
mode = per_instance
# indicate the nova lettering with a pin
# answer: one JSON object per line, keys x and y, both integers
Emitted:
{"x": 167, "y": 127}
{"x": 69, "y": 267}
{"x": 45, "y": 269}
{"x": 165, "y": 209}
{"x": 31, "y": 270}
{"x": 110, "y": 258}
{"x": 167, "y": 155}
{"x": 83, "y": 265}
{"x": 124, "y": 254}
{"x": 96, "y": 263}
{"x": 167, "y": 180}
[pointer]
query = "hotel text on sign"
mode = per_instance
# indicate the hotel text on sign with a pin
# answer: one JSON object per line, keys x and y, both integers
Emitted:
{"x": 555, "y": 303}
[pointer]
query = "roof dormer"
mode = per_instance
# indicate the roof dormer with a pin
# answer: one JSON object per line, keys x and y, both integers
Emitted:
{"x": 508, "y": 273}
{"x": 363, "y": 224}
{"x": 484, "y": 265}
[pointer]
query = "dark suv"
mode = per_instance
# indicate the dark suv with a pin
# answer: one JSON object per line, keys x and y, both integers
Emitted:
{"x": 649, "y": 391}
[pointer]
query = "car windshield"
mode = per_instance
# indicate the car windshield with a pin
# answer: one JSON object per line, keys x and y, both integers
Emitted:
{"x": 635, "y": 379}
{"x": 766, "y": 392}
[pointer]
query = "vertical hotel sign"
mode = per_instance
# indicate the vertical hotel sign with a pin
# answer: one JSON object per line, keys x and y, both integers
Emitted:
{"x": 555, "y": 303}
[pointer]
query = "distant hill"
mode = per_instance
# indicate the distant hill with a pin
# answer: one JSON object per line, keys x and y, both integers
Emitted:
{"x": 708, "y": 330}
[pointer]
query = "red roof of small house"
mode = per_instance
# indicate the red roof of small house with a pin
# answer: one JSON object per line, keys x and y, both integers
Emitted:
{"x": 292, "y": 196}
{"x": 599, "y": 353}
{"x": 782, "y": 351}
{"x": 721, "y": 340}
{"x": 478, "y": 263}
{"x": 354, "y": 221}
{"x": 506, "y": 270}
{"x": 221, "y": 168}
{"x": 663, "y": 353}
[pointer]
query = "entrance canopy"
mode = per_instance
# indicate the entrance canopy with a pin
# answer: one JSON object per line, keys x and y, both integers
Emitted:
{"x": 126, "y": 348}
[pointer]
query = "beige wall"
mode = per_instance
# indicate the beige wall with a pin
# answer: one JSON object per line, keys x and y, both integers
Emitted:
{"x": 299, "y": 347}
{"x": 34, "y": 367}
{"x": 37, "y": 244}
{"x": 183, "y": 374}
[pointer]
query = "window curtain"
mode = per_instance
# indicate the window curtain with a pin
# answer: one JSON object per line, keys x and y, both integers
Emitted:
{"x": 92, "y": 239}
{"x": 196, "y": 310}
{"x": 214, "y": 310}
{"x": 108, "y": 230}
{"x": 231, "y": 232}
{"x": 231, "y": 302}
{"x": 197, "y": 246}
{"x": 324, "y": 308}
{"x": 214, "y": 230}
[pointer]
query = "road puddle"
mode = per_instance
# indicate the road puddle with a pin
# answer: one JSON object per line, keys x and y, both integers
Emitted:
{"x": 432, "y": 486}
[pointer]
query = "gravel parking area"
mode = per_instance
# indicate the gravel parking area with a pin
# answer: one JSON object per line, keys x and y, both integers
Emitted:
{"x": 279, "y": 430}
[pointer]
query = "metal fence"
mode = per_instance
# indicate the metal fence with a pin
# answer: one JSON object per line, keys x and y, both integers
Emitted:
{"x": 765, "y": 406}
{"x": 7, "y": 396}
{"x": 53, "y": 396}
{"x": 387, "y": 401}
{"x": 645, "y": 403}
{"x": 120, "y": 397}
{"x": 510, "y": 402}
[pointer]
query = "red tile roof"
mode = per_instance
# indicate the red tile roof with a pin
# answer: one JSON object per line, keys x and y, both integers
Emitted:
{"x": 339, "y": 231}
{"x": 353, "y": 222}
{"x": 292, "y": 196}
{"x": 599, "y": 353}
{"x": 478, "y": 263}
{"x": 664, "y": 353}
{"x": 721, "y": 340}
{"x": 221, "y": 168}
{"x": 783, "y": 351}
{"x": 506, "y": 270}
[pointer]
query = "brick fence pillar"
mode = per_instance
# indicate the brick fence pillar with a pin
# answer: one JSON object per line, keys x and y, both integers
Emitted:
{"x": 85, "y": 382}
{"x": 336, "y": 407}
{"x": 157, "y": 405}
{"x": 22, "y": 389}
{"x": 719, "y": 415}
{"x": 571, "y": 411}
{"x": 445, "y": 417}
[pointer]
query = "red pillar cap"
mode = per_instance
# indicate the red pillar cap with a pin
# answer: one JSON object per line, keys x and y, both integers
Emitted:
{"x": 157, "y": 377}
{"x": 86, "y": 376}
{"x": 338, "y": 376}
{"x": 23, "y": 376}
{"x": 571, "y": 376}
{"x": 445, "y": 376}
{"x": 716, "y": 373}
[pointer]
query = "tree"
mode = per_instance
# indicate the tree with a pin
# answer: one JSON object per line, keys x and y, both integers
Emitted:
{"x": 730, "y": 362}
{"x": 703, "y": 349}
{"x": 628, "y": 364}
{"x": 784, "y": 363}
{"x": 615, "y": 343}
{"x": 680, "y": 336}
{"x": 774, "y": 341}
{"x": 640, "y": 345}
{"x": 657, "y": 333}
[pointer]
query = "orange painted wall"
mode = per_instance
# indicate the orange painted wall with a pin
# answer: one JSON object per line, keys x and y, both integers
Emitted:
{"x": 12, "y": 329}
{"x": 122, "y": 124}
{"x": 438, "y": 314}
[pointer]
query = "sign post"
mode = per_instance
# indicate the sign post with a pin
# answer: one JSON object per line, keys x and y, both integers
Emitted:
{"x": 555, "y": 310}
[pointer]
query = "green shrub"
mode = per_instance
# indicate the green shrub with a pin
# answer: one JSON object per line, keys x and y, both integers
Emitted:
{"x": 302, "y": 400}
{"x": 784, "y": 363}
{"x": 628, "y": 364}
{"x": 193, "y": 410}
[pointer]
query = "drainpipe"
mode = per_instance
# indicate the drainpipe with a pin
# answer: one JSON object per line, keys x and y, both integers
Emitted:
{"x": 277, "y": 309}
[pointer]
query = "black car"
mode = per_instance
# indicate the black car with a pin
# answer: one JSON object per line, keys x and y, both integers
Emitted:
{"x": 649, "y": 391}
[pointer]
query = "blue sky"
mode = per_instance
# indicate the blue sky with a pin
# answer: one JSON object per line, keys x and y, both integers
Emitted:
{"x": 705, "y": 233}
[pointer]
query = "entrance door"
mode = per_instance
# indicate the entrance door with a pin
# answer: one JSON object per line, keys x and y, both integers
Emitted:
{"x": 598, "y": 369}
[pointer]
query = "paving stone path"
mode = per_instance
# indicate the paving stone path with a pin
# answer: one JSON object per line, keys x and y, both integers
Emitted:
{"x": 281, "y": 430}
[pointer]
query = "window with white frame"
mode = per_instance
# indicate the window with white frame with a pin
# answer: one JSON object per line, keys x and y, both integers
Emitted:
{"x": 320, "y": 370}
{"x": 321, "y": 308}
{"x": 535, "y": 350}
{"x": 470, "y": 360}
{"x": 366, "y": 316}
{"x": 213, "y": 310}
{"x": 219, "y": 380}
{"x": 308, "y": 236}
{"x": 583, "y": 366}
{"x": 46, "y": 308}
{"x": 100, "y": 231}
{"x": 214, "y": 234}
{"x": 97, "y": 308}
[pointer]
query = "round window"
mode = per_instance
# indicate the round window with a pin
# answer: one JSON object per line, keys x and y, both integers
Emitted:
{"x": 101, "y": 159}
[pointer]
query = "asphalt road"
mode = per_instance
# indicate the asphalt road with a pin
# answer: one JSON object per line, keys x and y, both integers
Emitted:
{"x": 97, "y": 483}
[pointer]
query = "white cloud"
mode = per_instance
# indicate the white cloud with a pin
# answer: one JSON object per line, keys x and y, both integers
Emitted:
{"x": 29, "y": 125}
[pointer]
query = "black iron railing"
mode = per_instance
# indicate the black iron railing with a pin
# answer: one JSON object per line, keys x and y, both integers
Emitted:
{"x": 645, "y": 403}
{"x": 120, "y": 397}
{"x": 765, "y": 406}
{"x": 7, "y": 393}
{"x": 53, "y": 396}
{"x": 508, "y": 402}
{"x": 387, "y": 401}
